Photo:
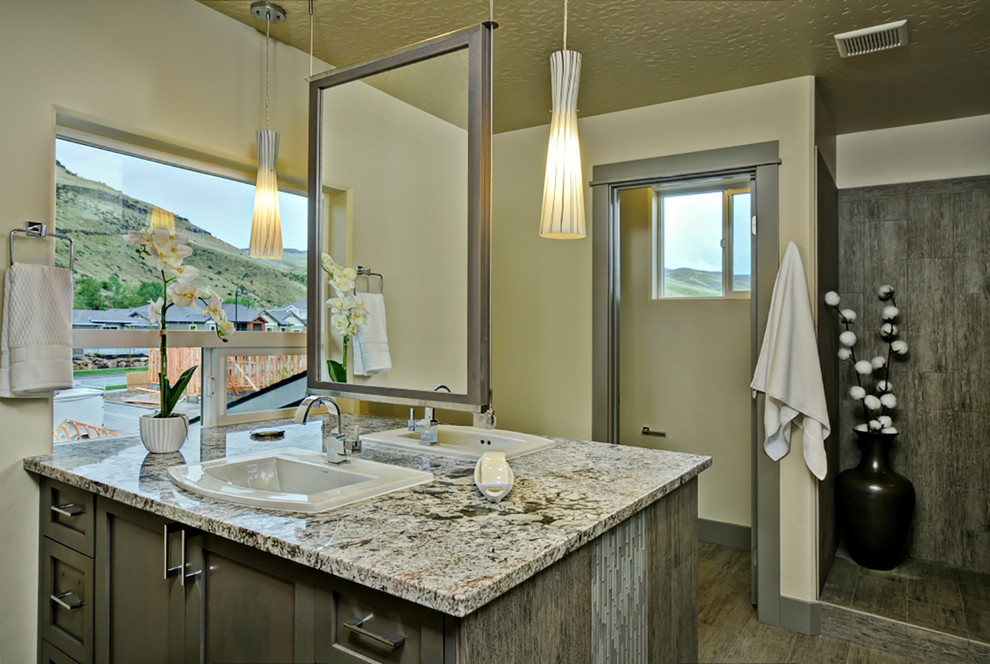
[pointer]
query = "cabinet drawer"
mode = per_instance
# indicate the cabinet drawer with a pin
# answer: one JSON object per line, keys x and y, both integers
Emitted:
{"x": 364, "y": 621}
{"x": 51, "y": 655}
{"x": 67, "y": 600}
{"x": 67, "y": 515}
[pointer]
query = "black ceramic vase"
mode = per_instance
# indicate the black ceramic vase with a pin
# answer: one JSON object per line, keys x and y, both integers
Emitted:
{"x": 875, "y": 505}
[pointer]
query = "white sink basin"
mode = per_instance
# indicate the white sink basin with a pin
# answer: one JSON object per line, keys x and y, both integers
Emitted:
{"x": 463, "y": 442}
{"x": 294, "y": 479}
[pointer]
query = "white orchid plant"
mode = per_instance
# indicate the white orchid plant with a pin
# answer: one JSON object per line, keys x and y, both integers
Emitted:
{"x": 878, "y": 406}
{"x": 347, "y": 313}
{"x": 167, "y": 250}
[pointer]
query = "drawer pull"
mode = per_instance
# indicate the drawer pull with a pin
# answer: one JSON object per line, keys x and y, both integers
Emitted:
{"x": 68, "y": 509}
{"x": 67, "y": 600}
{"x": 180, "y": 569}
{"x": 355, "y": 625}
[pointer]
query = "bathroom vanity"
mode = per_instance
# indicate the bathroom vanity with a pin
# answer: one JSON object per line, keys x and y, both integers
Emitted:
{"x": 591, "y": 558}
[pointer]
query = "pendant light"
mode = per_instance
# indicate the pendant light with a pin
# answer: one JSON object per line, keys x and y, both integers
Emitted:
{"x": 161, "y": 219}
{"x": 266, "y": 226}
{"x": 563, "y": 186}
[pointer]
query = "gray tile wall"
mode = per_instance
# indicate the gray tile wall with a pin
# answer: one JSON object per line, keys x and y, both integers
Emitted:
{"x": 931, "y": 241}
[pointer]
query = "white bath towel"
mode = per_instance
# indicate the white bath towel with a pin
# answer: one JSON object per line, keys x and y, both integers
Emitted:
{"x": 788, "y": 370}
{"x": 36, "y": 339}
{"x": 371, "y": 355}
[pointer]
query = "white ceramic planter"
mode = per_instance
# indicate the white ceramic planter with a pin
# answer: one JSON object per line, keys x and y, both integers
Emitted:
{"x": 163, "y": 434}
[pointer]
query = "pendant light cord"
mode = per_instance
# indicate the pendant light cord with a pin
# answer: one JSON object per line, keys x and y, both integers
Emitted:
{"x": 565, "y": 25}
{"x": 491, "y": 10}
{"x": 311, "y": 37}
{"x": 268, "y": 76}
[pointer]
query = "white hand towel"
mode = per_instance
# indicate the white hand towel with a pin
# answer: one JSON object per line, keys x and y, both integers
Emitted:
{"x": 371, "y": 354}
{"x": 36, "y": 339}
{"x": 788, "y": 370}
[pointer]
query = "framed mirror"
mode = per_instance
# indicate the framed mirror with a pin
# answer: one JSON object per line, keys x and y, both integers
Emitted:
{"x": 399, "y": 192}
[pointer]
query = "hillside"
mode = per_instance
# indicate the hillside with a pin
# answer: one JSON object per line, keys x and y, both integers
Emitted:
{"x": 688, "y": 282}
{"x": 97, "y": 216}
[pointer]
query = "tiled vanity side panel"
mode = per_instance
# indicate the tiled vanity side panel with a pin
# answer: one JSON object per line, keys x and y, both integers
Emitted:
{"x": 931, "y": 240}
{"x": 619, "y": 614}
{"x": 672, "y": 570}
{"x": 545, "y": 619}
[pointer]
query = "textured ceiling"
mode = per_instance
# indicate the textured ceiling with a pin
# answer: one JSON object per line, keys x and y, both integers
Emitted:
{"x": 641, "y": 52}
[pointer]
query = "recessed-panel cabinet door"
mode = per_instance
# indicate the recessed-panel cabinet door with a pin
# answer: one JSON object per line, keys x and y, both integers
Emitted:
{"x": 138, "y": 614}
{"x": 247, "y": 606}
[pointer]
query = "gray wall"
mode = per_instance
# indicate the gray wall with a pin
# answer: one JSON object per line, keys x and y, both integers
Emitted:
{"x": 931, "y": 241}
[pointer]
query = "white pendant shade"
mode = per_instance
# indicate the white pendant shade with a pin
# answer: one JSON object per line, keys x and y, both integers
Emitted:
{"x": 162, "y": 219}
{"x": 563, "y": 187}
{"x": 266, "y": 227}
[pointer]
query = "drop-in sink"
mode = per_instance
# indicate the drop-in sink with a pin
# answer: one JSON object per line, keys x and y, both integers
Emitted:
{"x": 463, "y": 442}
{"x": 294, "y": 479}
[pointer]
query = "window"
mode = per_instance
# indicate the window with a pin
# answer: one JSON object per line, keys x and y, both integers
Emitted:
{"x": 702, "y": 246}
{"x": 106, "y": 187}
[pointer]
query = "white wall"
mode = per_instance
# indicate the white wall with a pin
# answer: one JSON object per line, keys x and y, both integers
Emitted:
{"x": 916, "y": 153}
{"x": 170, "y": 69}
{"x": 541, "y": 293}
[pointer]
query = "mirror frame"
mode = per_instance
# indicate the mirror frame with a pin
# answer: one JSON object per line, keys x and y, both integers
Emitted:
{"x": 477, "y": 40}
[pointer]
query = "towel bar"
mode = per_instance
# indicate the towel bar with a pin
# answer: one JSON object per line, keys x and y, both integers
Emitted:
{"x": 38, "y": 229}
{"x": 366, "y": 272}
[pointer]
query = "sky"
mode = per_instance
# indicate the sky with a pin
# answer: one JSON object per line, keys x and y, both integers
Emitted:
{"x": 693, "y": 232}
{"x": 221, "y": 206}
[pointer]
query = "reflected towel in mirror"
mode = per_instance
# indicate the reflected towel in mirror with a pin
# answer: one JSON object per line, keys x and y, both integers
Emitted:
{"x": 371, "y": 354}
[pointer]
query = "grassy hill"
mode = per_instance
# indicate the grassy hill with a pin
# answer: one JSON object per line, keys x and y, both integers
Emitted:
{"x": 97, "y": 216}
{"x": 688, "y": 282}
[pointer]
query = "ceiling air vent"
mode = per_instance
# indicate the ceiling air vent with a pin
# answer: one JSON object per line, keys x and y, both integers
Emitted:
{"x": 871, "y": 40}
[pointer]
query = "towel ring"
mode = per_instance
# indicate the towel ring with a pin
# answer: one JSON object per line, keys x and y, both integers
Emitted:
{"x": 38, "y": 229}
{"x": 366, "y": 272}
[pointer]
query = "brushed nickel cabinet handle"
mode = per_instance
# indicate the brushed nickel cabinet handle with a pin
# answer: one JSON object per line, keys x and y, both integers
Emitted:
{"x": 67, "y": 600}
{"x": 355, "y": 625}
{"x": 180, "y": 568}
{"x": 68, "y": 509}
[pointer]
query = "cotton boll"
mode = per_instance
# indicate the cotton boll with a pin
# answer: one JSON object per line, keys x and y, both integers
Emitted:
{"x": 888, "y": 401}
{"x": 888, "y": 331}
{"x": 885, "y": 292}
{"x": 863, "y": 368}
{"x": 832, "y": 298}
{"x": 871, "y": 402}
{"x": 884, "y": 386}
{"x": 888, "y": 430}
{"x": 848, "y": 316}
{"x": 874, "y": 425}
{"x": 861, "y": 427}
{"x": 848, "y": 338}
{"x": 879, "y": 362}
{"x": 899, "y": 347}
{"x": 890, "y": 312}
{"x": 885, "y": 421}
{"x": 857, "y": 392}
{"x": 844, "y": 353}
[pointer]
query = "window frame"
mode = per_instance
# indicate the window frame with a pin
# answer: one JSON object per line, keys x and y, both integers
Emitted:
{"x": 213, "y": 413}
{"x": 728, "y": 188}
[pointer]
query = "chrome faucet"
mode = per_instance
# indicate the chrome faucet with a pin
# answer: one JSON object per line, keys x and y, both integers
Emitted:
{"x": 335, "y": 441}
{"x": 427, "y": 428}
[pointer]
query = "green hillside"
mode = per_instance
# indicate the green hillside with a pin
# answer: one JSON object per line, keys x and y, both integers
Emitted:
{"x": 97, "y": 216}
{"x": 688, "y": 282}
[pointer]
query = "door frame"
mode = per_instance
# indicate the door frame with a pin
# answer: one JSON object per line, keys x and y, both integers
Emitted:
{"x": 761, "y": 161}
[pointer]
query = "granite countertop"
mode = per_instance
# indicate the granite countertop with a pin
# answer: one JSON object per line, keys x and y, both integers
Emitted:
{"x": 441, "y": 544}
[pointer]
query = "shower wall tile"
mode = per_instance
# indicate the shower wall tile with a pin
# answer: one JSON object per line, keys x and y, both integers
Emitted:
{"x": 931, "y": 241}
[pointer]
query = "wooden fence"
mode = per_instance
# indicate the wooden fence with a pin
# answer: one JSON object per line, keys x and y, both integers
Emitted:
{"x": 245, "y": 373}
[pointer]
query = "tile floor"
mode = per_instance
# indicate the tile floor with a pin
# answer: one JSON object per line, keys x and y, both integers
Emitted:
{"x": 917, "y": 592}
{"x": 728, "y": 630}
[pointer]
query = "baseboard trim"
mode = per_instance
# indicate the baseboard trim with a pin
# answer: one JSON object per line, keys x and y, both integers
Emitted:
{"x": 798, "y": 615}
{"x": 724, "y": 534}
